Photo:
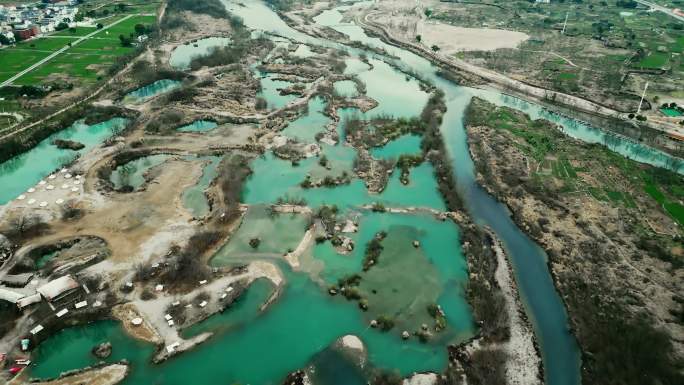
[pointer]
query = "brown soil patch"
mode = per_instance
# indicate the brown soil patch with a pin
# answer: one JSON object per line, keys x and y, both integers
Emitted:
{"x": 129, "y": 221}
{"x": 145, "y": 332}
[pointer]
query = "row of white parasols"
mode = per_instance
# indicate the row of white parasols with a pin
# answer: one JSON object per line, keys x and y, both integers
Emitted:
{"x": 49, "y": 187}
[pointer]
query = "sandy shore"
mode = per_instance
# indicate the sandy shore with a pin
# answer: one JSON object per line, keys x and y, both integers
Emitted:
{"x": 306, "y": 242}
{"x": 522, "y": 367}
{"x": 145, "y": 332}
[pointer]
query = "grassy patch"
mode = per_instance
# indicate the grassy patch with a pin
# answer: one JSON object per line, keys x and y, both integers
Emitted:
{"x": 597, "y": 193}
{"x": 75, "y": 32}
{"x": 652, "y": 190}
{"x": 654, "y": 60}
{"x": 82, "y": 61}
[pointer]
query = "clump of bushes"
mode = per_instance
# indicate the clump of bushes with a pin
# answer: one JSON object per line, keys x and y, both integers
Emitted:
{"x": 385, "y": 323}
{"x": 213, "y": 8}
{"x": 233, "y": 172}
{"x": 166, "y": 121}
{"x": 188, "y": 267}
{"x": 436, "y": 312}
{"x": 373, "y": 250}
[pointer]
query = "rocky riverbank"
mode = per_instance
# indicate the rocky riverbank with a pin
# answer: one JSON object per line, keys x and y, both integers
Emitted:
{"x": 610, "y": 245}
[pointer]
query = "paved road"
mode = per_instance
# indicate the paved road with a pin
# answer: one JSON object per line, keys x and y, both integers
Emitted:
{"x": 661, "y": 9}
{"x": 59, "y": 51}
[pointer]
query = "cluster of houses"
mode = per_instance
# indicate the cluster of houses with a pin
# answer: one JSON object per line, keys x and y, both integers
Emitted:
{"x": 21, "y": 22}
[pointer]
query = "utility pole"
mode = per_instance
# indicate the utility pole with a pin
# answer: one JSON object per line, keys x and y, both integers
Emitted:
{"x": 642, "y": 98}
{"x": 565, "y": 23}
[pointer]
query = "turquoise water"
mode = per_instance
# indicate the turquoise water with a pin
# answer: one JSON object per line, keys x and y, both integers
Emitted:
{"x": 305, "y": 128}
{"x": 70, "y": 348}
{"x": 560, "y": 352}
{"x": 238, "y": 315}
{"x": 45, "y": 258}
{"x": 27, "y": 169}
{"x": 198, "y": 126}
{"x": 275, "y": 242}
{"x": 345, "y": 88}
{"x": 346, "y": 114}
{"x": 334, "y": 368}
{"x": 183, "y": 54}
{"x": 149, "y": 91}
{"x": 194, "y": 198}
{"x": 262, "y": 348}
{"x": 403, "y": 99}
{"x": 133, "y": 173}
{"x": 405, "y": 144}
{"x": 269, "y": 91}
{"x": 355, "y": 66}
{"x": 274, "y": 178}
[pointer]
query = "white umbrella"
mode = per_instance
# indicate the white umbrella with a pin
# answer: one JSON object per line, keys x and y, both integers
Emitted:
{"x": 52, "y": 177}
{"x": 21, "y": 197}
{"x": 63, "y": 170}
{"x": 42, "y": 182}
{"x": 31, "y": 190}
{"x": 75, "y": 189}
{"x": 67, "y": 176}
{"x": 65, "y": 186}
{"x": 59, "y": 201}
{"x": 50, "y": 187}
{"x": 31, "y": 201}
{"x": 43, "y": 204}
{"x": 76, "y": 182}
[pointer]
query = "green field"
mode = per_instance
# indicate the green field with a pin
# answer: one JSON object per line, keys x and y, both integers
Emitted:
{"x": 671, "y": 112}
{"x": 82, "y": 61}
{"x": 655, "y": 60}
{"x": 567, "y": 76}
{"x": 675, "y": 209}
{"x": 75, "y": 32}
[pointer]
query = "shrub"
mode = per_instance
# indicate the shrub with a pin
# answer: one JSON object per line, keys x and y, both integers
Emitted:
{"x": 373, "y": 251}
{"x": 147, "y": 295}
{"x": 378, "y": 207}
{"x": 213, "y": 8}
{"x": 260, "y": 103}
{"x": 385, "y": 323}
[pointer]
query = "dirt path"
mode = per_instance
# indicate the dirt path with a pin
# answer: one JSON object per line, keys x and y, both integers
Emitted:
{"x": 106, "y": 375}
{"x": 306, "y": 242}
